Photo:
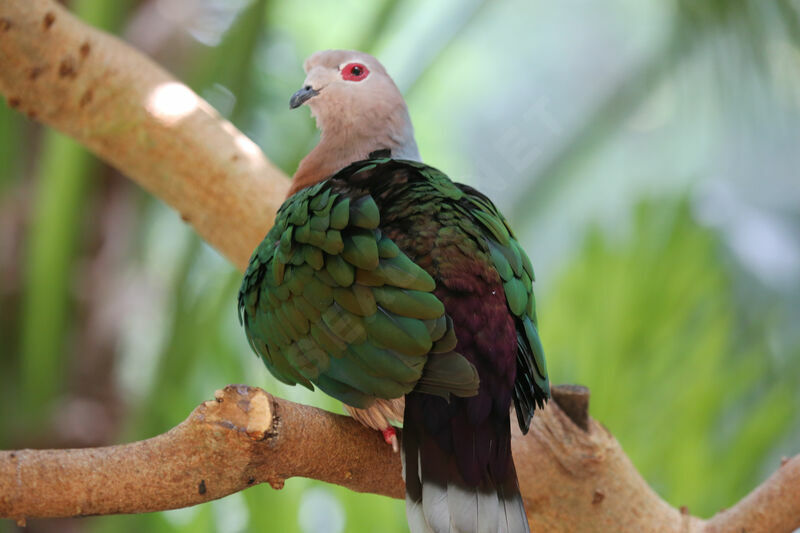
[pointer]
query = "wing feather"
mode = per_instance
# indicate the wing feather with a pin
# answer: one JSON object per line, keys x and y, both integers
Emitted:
{"x": 328, "y": 299}
{"x": 532, "y": 384}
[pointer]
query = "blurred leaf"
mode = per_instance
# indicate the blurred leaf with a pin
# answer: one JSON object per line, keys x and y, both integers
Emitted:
{"x": 648, "y": 324}
{"x": 11, "y": 125}
{"x": 109, "y": 16}
{"x": 230, "y": 64}
{"x": 52, "y": 242}
{"x": 744, "y": 26}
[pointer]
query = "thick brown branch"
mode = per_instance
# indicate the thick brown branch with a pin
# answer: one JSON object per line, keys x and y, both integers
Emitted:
{"x": 133, "y": 114}
{"x": 772, "y": 506}
{"x": 243, "y": 437}
{"x": 589, "y": 482}
{"x": 573, "y": 479}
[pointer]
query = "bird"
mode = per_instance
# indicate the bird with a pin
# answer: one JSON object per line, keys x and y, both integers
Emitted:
{"x": 404, "y": 295}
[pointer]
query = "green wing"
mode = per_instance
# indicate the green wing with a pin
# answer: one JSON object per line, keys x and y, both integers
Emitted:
{"x": 327, "y": 299}
{"x": 485, "y": 223}
{"x": 532, "y": 386}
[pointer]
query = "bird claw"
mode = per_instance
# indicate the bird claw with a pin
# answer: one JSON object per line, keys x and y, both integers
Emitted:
{"x": 390, "y": 436}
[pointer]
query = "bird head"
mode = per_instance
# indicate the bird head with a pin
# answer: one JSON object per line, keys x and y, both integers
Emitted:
{"x": 359, "y": 110}
{"x": 356, "y": 102}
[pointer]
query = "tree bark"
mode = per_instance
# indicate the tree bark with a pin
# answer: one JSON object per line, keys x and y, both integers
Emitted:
{"x": 242, "y": 437}
{"x": 572, "y": 479}
{"x": 134, "y": 115}
{"x": 573, "y": 474}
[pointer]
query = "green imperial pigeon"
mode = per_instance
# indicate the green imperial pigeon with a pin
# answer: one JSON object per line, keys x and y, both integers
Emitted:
{"x": 404, "y": 295}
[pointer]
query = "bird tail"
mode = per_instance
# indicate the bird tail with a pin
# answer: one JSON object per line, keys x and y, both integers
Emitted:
{"x": 439, "y": 500}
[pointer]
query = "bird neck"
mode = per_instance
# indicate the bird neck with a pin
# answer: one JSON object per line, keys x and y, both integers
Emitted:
{"x": 342, "y": 144}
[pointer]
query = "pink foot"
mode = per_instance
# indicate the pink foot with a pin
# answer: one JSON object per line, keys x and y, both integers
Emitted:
{"x": 390, "y": 436}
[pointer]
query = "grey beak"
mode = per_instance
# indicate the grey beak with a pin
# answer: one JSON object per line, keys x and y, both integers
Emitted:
{"x": 301, "y": 96}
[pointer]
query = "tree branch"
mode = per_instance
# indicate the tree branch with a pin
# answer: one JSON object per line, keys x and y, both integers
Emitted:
{"x": 572, "y": 479}
{"x": 243, "y": 437}
{"x": 133, "y": 114}
{"x": 130, "y": 112}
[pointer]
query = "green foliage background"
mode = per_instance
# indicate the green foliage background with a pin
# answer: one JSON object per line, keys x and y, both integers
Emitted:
{"x": 645, "y": 152}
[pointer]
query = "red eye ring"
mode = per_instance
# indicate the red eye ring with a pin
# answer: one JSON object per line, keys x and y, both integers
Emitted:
{"x": 354, "y": 72}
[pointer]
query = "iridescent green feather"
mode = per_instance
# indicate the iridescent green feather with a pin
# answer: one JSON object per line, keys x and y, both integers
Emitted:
{"x": 328, "y": 299}
{"x": 516, "y": 272}
{"x": 311, "y": 317}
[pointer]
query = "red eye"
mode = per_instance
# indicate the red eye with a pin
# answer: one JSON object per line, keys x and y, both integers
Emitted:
{"x": 354, "y": 72}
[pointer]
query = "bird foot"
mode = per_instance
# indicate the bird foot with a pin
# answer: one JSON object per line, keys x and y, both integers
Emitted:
{"x": 390, "y": 436}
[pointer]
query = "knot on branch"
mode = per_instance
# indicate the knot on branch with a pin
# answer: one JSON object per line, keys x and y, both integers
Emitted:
{"x": 574, "y": 401}
{"x": 246, "y": 409}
